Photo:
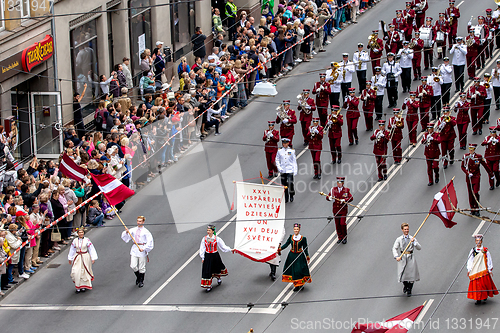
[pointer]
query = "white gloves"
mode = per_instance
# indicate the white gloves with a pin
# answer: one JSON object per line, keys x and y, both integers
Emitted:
{"x": 375, "y": 50}
{"x": 329, "y": 122}
{"x": 470, "y": 175}
{"x": 285, "y": 121}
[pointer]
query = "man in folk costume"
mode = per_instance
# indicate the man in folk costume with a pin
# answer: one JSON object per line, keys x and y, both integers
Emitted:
{"x": 471, "y": 166}
{"x": 334, "y": 125}
{"x": 351, "y": 104}
{"x": 368, "y": 96}
{"x": 446, "y": 128}
{"x": 476, "y": 94}
{"x": 407, "y": 264}
{"x": 479, "y": 271}
{"x": 376, "y": 50}
{"x": 315, "y": 139}
{"x": 322, "y": 91}
{"x": 286, "y": 162}
{"x": 431, "y": 142}
{"x": 462, "y": 107}
{"x": 492, "y": 25}
{"x": 429, "y": 51}
{"x": 391, "y": 40}
{"x": 340, "y": 195}
{"x": 452, "y": 14}
{"x": 459, "y": 52}
{"x": 425, "y": 94}
{"x": 360, "y": 59}
{"x": 473, "y": 46}
{"x": 139, "y": 253}
{"x": 395, "y": 127}
{"x": 409, "y": 16}
{"x": 213, "y": 267}
{"x": 306, "y": 108}
{"x": 411, "y": 106}
{"x": 417, "y": 45}
{"x": 296, "y": 269}
{"x": 442, "y": 29}
{"x": 435, "y": 82}
{"x": 420, "y": 12}
{"x": 379, "y": 82}
{"x": 400, "y": 25}
{"x": 381, "y": 139}
{"x": 335, "y": 84}
{"x": 271, "y": 138}
{"x": 81, "y": 256}
{"x": 287, "y": 128}
{"x": 492, "y": 155}
{"x": 405, "y": 62}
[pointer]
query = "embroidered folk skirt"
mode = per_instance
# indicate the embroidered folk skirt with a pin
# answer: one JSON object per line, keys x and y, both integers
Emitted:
{"x": 213, "y": 267}
{"x": 296, "y": 270}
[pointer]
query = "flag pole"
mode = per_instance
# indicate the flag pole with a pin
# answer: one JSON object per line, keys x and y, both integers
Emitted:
{"x": 350, "y": 204}
{"x": 407, "y": 246}
{"x": 126, "y": 229}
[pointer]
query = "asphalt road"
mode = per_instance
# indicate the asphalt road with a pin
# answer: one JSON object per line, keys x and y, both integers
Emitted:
{"x": 355, "y": 281}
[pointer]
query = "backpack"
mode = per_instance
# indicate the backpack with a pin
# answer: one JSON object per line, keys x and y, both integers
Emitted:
{"x": 98, "y": 119}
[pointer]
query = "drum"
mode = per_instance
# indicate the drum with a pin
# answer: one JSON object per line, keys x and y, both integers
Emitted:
{"x": 439, "y": 36}
{"x": 426, "y": 36}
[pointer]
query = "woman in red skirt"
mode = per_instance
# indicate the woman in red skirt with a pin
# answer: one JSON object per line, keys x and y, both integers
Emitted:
{"x": 479, "y": 267}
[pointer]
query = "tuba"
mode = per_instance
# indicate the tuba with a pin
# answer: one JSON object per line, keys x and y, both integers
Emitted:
{"x": 335, "y": 73}
{"x": 372, "y": 42}
{"x": 303, "y": 103}
{"x": 333, "y": 118}
{"x": 282, "y": 114}
{"x": 469, "y": 42}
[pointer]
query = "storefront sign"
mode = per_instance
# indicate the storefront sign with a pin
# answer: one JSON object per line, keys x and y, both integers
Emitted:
{"x": 10, "y": 67}
{"x": 37, "y": 53}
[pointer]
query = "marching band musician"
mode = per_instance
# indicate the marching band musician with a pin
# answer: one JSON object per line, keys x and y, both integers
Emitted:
{"x": 492, "y": 155}
{"x": 435, "y": 81}
{"x": 492, "y": 25}
{"x": 392, "y": 40}
{"x": 446, "y": 129}
{"x": 334, "y": 125}
{"x": 417, "y": 45}
{"x": 442, "y": 30}
{"x": 496, "y": 15}
{"x": 471, "y": 164}
{"x": 379, "y": 82}
{"x": 351, "y": 104}
{"x": 473, "y": 47}
{"x": 406, "y": 58}
{"x": 476, "y": 94}
{"x": 487, "y": 101}
{"x": 368, "y": 97}
{"x": 412, "y": 105}
{"x": 306, "y": 108}
{"x": 360, "y": 58}
{"x": 381, "y": 138}
{"x": 431, "y": 142}
{"x": 322, "y": 91}
{"x": 409, "y": 16}
{"x": 315, "y": 139}
{"x": 400, "y": 24}
{"x": 429, "y": 51}
{"x": 495, "y": 83}
{"x": 346, "y": 70}
{"x": 462, "y": 107}
{"x": 395, "y": 127}
{"x": 459, "y": 52}
{"x": 483, "y": 52}
{"x": 424, "y": 93}
{"x": 420, "y": 7}
{"x": 286, "y": 162}
{"x": 376, "y": 46}
{"x": 271, "y": 138}
{"x": 392, "y": 71}
{"x": 287, "y": 128}
{"x": 452, "y": 14}
{"x": 340, "y": 195}
{"x": 335, "y": 79}
{"x": 446, "y": 70}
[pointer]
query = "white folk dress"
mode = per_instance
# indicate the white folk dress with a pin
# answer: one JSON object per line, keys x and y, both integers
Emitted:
{"x": 81, "y": 253}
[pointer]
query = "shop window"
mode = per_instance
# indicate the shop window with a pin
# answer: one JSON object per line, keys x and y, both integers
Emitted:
{"x": 140, "y": 32}
{"x": 182, "y": 18}
{"x": 2, "y": 15}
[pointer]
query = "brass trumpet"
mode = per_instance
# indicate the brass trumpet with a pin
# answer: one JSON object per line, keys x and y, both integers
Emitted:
{"x": 487, "y": 83}
{"x": 335, "y": 73}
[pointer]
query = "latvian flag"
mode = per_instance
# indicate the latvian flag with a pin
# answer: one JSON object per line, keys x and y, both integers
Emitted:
{"x": 114, "y": 191}
{"x": 444, "y": 204}
{"x": 398, "y": 324}
{"x": 70, "y": 169}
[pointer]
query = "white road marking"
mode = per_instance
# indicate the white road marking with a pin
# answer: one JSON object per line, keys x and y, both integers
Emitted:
{"x": 479, "y": 228}
{"x": 424, "y": 310}
{"x": 460, "y": 3}
{"x": 145, "y": 308}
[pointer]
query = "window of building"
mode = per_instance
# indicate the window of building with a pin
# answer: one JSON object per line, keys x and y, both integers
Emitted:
{"x": 140, "y": 32}
{"x": 182, "y": 18}
{"x": 2, "y": 22}
{"x": 25, "y": 8}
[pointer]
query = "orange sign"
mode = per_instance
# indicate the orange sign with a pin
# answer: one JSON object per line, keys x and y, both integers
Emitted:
{"x": 38, "y": 53}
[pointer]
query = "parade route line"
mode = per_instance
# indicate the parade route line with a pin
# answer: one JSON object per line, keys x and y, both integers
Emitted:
{"x": 424, "y": 310}
{"x": 478, "y": 228}
{"x": 157, "y": 291}
{"x": 145, "y": 308}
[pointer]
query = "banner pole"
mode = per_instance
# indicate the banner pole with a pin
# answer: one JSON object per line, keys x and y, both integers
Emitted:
{"x": 407, "y": 246}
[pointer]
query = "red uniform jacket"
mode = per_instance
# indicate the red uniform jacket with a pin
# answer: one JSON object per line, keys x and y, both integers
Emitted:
{"x": 340, "y": 208}
{"x": 288, "y": 129}
{"x": 368, "y": 97}
{"x": 443, "y": 26}
{"x": 431, "y": 150}
{"x": 378, "y": 54}
{"x": 447, "y": 15}
{"x": 397, "y": 132}
{"x": 315, "y": 140}
{"x": 409, "y": 15}
{"x": 271, "y": 145}
{"x": 400, "y": 24}
{"x": 412, "y": 109}
{"x": 335, "y": 130}
{"x": 352, "y": 106}
{"x": 417, "y": 49}
{"x": 476, "y": 94}
{"x": 380, "y": 144}
{"x": 307, "y": 115}
{"x": 448, "y": 129}
{"x": 471, "y": 163}
{"x": 492, "y": 152}
{"x": 463, "y": 112}
{"x": 490, "y": 23}
{"x": 416, "y": 2}
{"x": 426, "y": 98}
{"x": 392, "y": 40}
{"x": 473, "y": 50}
{"x": 323, "y": 95}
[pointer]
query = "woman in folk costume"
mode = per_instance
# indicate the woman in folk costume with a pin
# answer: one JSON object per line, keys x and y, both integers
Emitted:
{"x": 213, "y": 267}
{"x": 296, "y": 268}
{"x": 479, "y": 267}
{"x": 81, "y": 256}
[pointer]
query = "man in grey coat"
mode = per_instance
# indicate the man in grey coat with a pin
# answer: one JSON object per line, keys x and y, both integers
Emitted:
{"x": 407, "y": 264}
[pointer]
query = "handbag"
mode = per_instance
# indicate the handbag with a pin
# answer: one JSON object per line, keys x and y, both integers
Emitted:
{"x": 56, "y": 235}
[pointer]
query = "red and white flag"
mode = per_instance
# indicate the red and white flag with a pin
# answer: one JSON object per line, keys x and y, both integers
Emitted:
{"x": 444, "y": 204}
{"x": 70, "y": 169}
{"x": 114, "y": 191}
{"x": 399, "y": 324}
